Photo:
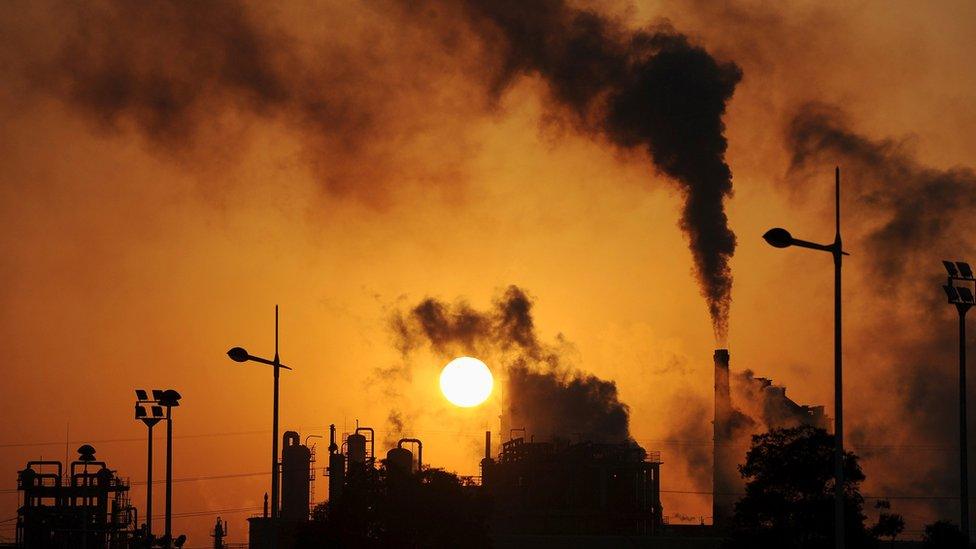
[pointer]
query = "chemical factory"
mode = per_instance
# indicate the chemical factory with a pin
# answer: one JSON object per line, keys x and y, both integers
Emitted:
{"x": 534, "y": 489}
{"x": 87, "y": 507}
{"x": 553, "y": 487}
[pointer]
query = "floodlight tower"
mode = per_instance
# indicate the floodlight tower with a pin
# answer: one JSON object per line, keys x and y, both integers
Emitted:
{"x": 150, "y": 417}
{"x": 168, "y": 399}
{"x": 962, "y": 297}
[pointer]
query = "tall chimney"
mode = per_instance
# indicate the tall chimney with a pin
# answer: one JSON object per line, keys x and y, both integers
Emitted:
{"x": 723, "y": 467}
{"x": 722, "y": 426}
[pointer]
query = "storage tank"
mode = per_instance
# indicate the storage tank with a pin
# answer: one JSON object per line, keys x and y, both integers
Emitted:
{"x": 356, "y": 448}
{"x": 296, "y": 462}
{"x": 400, "y": 459}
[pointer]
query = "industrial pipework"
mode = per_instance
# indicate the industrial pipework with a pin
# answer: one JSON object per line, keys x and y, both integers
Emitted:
{"x": 372, "y": 440}
{"x": 420, "y": 450}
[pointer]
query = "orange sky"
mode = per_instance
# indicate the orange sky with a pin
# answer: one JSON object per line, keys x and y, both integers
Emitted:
{"x": 126, "y": 264}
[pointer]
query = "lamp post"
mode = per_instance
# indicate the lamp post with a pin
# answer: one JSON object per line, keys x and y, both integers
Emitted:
{"x": 168, "y": 399}
{"x": 781, "y": 238}
{"x": 962, "y": 298}
{"x": 150, "y": 417}
{"x": 238, "y": 354}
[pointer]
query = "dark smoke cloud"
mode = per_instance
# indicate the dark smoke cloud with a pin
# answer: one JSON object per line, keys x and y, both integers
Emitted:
{"x": 458, "y": 328}
{"x": 191, "y": 77}
{"x": 649, "y": 89}
{"x": 905, "y": 218}
{"x": 543, "y": 395}
{"x": 181, "y": 73}
{"x": 161, "y": 66}
{"x": 554, "y": 403}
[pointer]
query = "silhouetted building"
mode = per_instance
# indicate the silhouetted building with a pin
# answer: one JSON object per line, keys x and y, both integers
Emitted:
{"x": 296, "y": 478}
{"x": 732, "y": 428}
{"x": 568, "y": 488}
{"x": 89, "y": 507}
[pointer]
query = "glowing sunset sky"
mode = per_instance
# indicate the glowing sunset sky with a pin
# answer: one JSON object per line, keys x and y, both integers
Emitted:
{"x": 142, "y": 240}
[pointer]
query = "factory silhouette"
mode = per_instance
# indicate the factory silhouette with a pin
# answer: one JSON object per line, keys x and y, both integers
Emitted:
{"x": 533, "y": 490}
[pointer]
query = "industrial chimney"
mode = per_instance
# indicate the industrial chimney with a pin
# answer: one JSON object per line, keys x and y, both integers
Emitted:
{"x": 724, "y": 482}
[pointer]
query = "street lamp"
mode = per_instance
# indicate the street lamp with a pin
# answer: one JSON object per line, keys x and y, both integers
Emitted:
{"x": 150, "y": 416}
{"x": 781, "y": 238}
{"x": 168, "y": 399}
{"x": 962, "y": 298}
{"x": 239, "y": 354}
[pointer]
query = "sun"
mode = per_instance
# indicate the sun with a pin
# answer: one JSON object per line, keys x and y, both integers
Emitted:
{"x": 466, "y": 382}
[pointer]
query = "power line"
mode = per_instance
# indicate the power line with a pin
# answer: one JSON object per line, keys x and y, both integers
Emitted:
{"x": 178, "y": 480}
{"x": 140, "y": 439}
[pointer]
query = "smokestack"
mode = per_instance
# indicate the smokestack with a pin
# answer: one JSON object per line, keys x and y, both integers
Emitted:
{"x": 723, "y": 466}
{"x": 723, "y": 400}
{"x": 487, "y": 444}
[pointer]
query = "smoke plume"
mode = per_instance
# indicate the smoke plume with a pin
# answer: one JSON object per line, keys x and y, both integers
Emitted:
{"x": 649, "y": 89}
{"x": 543, "y": 395}
{"x": 189, "y": 75}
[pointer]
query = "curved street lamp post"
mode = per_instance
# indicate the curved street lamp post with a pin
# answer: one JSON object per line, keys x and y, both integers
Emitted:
{"x": 239, "y": 354}
{"x": 781, "y": 238}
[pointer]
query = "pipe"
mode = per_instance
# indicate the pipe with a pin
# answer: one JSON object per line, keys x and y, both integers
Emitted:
{"x": 420, "y": 450}
{"x": 332, "y": 444}
{"x": 84, "y": 464}
{"x": 45, "y": 462}
{"x": 487, "y": 444}
{"x": 372, "y": 440}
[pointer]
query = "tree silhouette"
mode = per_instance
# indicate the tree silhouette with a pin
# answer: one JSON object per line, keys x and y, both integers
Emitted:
{"x": 789, "y": 499}
{"x": 889, "y": 525}
{"x": 943, "y": 534}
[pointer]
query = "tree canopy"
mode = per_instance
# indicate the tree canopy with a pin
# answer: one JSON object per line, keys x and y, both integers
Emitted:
{"x": 789, "y": 493}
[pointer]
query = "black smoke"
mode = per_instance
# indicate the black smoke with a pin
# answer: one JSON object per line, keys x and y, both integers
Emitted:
{"x": 186, "y": 75}
{"x": 542, "y": 394}
{"x": 650, "y": 89}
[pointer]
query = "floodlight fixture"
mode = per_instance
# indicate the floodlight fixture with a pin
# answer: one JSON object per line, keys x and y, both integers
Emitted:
{"x": 157, "y": 394}
{"x": 169, "y": 398}
{"x": 950, "y": 268}
{"x": 951, "y": 293}
{"x": 141, "y": 395}
{"x": 965, "y": 269}
{"x": 157, "y": 411}
{"x": 965, "y": 294}
{"x": 140, "y": 411}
